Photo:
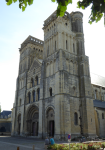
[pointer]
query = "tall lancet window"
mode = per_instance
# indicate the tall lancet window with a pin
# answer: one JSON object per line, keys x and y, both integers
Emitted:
{"x": 73, "y": 48}
{"x": 29, "y": 97}
{"x": 48, "y": 51}
{"x": 55, "y": 45}
{"x": 66, "y": 44}
{"x": 32, "y": 82}
{"x": 95, "y": 94}
{"x": 38, "y": 93}
{"x": 102, "y": 115}
{"x": 33, "y": 96}
{"x": 50, "y": 91}
{"x": 104, "y": 96}
{"x": 75, "y": 118}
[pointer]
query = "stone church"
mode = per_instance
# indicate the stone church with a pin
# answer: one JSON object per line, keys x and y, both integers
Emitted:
{"x": 55, "y": 94}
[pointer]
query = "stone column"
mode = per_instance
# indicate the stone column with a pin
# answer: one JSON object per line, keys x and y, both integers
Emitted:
{"x": 56, "y": 41}
{"x": 75, "y": 46}
{"x": 25, "y": 124}
{"x": 44, "y": 52}
{"x": 31, "y": 97}
{"x": 16, "y": 127}
{"x": 36, "y": 95}
{"x": 64, "y": 41}
{"x": 54, "y": 65}
{"x": 51, "y": 46}
{"x": 68, "y": 41}
{"x": 40, "y": 119}
{"x": 101, "y": 93}
{"x": 71, "y": 44}
{"x": 48, "y": 70}
{"x": 57, "y": 118}
{"x": 67, "y": 65}
{"x": 22, "y": 120}
{"x": 13, "y": 121}
{"x": 60, "y": 46}
{"x": 48, "y": 47}
{"x": 67, "y": 118}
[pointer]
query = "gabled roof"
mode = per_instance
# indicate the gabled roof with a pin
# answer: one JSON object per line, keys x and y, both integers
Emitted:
{"x": 35, "y": 64}
{"x": 99, "y": 104}
{"x": 5, "y": 113}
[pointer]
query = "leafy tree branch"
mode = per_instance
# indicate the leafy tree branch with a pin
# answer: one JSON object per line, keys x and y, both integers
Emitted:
{"x": 97, "y": 7}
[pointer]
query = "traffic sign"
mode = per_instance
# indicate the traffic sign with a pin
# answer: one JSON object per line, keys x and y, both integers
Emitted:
{"x": 69, "y": 136}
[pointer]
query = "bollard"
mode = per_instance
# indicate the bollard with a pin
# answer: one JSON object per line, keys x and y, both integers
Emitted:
{"x": 33, "y": 147}
{"x": 17, "y": 148}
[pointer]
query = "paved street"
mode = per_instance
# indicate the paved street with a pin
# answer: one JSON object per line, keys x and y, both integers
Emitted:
{"x": 11, "y": 143}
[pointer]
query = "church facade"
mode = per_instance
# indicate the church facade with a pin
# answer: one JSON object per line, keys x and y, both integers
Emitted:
{"x": 54, "y": 92}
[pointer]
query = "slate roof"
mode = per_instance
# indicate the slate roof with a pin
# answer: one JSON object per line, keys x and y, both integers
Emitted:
{"x": 99, "y": 104}
{"x": 5, "y": 113}
{"x": 97, "y": 80}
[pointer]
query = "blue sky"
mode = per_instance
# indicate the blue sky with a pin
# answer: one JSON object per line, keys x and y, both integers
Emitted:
{"x": 16, "y": 26}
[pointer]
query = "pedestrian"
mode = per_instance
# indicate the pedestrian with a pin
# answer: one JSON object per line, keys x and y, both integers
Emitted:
{"x": 52, "y": 140}
{"x": 46, "y": 142}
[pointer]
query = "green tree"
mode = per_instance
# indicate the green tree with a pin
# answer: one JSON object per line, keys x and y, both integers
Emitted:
{"x": 0, "y": 108}
{"x": 97, "y": 7}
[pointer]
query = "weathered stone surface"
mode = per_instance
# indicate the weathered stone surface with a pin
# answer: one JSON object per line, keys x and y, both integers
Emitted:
{"x": 63, "y": 91}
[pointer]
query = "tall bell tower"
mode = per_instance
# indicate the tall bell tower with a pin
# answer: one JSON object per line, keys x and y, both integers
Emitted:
{"x": 65, "y": 90}
{"x": 87, "y": 118}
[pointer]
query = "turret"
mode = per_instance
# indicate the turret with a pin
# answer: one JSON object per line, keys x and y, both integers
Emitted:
{"x": 76, "y": 19}
{"x": 77, "y": 27}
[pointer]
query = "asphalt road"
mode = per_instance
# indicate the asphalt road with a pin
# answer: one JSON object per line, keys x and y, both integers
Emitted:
{"x": 11, "y": 143}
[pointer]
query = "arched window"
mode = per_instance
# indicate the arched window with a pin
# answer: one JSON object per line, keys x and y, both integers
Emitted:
{"x": 33, "y": 96}
{"x": 73, "y": 48}
{"x": 55, "y": 45}
{"x": 34, "y": 71}
{"x": 104, "y": 96}
{"x": 48, "y": 51}
{"x": 29, "y": 97}
{"x": 36, "y": 79}
{"x": 21, "y": 84}
{"x": 32, "y": 82}
{"x": 21, "y": 68}
{"x": 102, "y": 115}
{"x": 50, "y": 91}
{"x": 38, "y": 93}
{"x": 20, "y": 102}
{"x": 74, "y": 90}
{"x": 66, "y": 44}
{"x": 75, "y": 118}
{"x": 95, "y": 94}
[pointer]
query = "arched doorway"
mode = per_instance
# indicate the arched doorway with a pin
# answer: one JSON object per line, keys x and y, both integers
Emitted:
{"x": 19, "y": 124}
{"x": 33, "y": 120}
{"x": 50, "y": 122}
